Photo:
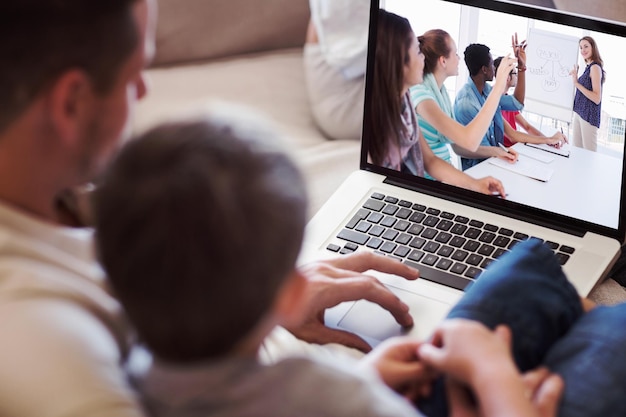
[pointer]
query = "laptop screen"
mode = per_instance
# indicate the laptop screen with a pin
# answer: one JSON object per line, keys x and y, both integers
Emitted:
{"x": 573, "y": 186}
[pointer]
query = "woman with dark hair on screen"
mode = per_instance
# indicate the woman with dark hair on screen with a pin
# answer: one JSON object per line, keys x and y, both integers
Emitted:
{"x": 397, "y": 142}
{"x": 588, "y": 98}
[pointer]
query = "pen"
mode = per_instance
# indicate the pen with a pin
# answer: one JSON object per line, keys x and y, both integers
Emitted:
{"x": 504, "y": 148}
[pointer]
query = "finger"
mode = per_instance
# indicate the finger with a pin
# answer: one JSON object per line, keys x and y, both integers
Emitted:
{"x": 534, "y": 378}
{"x": 548, "y": 396}
{"x": 368, "y": 288}
{"x": 320, "y": 334}
{"x": 363, "y": 261}
{"x": 504, "y": 333}
{"x": 409, "y": 372}
{"x": 459, "y": 400}
{"x": 432, "y": 356}
{"x": 497, "y": 186}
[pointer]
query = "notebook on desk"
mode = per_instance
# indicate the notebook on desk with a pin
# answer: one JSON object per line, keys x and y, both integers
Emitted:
{"x": 450, "y": 234}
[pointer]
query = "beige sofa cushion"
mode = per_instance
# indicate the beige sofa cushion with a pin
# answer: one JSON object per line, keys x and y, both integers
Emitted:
{"x": 191, "y": 30}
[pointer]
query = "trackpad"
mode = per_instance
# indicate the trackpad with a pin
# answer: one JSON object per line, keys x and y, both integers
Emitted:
{"x": 375, "y": 324}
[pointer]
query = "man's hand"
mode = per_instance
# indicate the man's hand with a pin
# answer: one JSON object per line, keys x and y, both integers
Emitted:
{"x": 398, "y": 366}
{"x": 334, "y": 281}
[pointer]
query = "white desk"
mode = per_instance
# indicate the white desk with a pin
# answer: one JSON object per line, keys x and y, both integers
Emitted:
{"x": 585, "y": 186}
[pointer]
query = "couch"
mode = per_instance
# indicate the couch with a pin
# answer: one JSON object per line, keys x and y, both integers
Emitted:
{"x": 250, "y": 52}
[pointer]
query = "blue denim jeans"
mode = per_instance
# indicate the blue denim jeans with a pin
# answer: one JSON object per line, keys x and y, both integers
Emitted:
{"x": 527, "y": 290}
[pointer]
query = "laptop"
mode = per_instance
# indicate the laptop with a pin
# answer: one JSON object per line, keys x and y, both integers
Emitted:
{"x": 425, "y": 223}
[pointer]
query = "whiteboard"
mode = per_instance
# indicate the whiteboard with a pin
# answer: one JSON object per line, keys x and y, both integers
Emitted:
{"x": 549, "y": 87}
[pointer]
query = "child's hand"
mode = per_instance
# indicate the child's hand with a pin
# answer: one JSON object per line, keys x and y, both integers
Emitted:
{"x": 465, "y": 349}
{"x": 397, "y": 363}
{"x": 545, "y": 390}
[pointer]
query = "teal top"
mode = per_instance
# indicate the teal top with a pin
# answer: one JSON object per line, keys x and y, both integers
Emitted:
{"x": 429, "y": 90}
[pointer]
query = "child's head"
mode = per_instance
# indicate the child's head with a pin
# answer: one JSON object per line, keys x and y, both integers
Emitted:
{"x": 199, "y": 224}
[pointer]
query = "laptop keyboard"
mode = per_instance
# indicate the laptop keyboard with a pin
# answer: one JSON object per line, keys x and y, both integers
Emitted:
{"x": 447, "y": 248}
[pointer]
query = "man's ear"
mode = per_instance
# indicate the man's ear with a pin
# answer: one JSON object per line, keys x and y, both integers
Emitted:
{"x": 70, "y": 103}
{"x": 289, "y": 303}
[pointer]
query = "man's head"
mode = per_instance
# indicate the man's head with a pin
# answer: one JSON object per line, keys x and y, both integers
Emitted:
{"x": 479, "y": 61}
{"x": 40, "y": 40}
{"x": 199, "y": 224}
{"x": 72, "y": 72}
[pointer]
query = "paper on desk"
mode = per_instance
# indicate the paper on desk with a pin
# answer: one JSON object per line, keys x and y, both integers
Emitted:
{"x": 563, "y": 151}
{"x": 525, "y": 166}
{"x": 533, "y": 153}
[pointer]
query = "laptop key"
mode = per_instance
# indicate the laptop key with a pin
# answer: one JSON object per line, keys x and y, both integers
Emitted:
{"x": 402, "y": 225}
{"x": 352, "y": 236}
{"x": 439, "y": 276}
{"x": 374, "y": 205}
{"x": 431, "y": 247}
{"x": 403, "y": 239}
{"x": 476, "y": 223}
{"x": 471, "y": 246}
{"x": 474, "y": 259}
{"x": 360, "y": 215}
{"x": 457, "y": 241}
{"x": 374, "y": 243}
{"x": 431, "y": 221}
{"x": 417, "y": 217}
{"x": 461, "y": 219}
{"x": 445, "y": 251}
{"x": 499, "y": 252}
{"x": 486, "y": 250}
{"x": 486, "y": 263}
{"x": 502, "y": 241}
{"x": 416, "y": 255}
{"x": 333, "y": 248}
{"x": 404, "y": 213}
{"x": 363, "y": 227}
{"x": 388, "y": 247}
{"x": 417, "y": 242}
{"x": 430, "y": 259}
{"x": 458, "y": 268}
{"x": 390, "y": 209}
{"x": 415, "y": 229}
{"x": 402, "y": 251}
{"x": 443, "y": 237}
{"x": 444, "y": 264}
{"x": 458, "y": 229}
{"x": 472, "y": 272}
{"x": 390, "y": 234}
{"x": 487, "y": 237}
{"x": 460, "y": 255}
{"x": 376, "y": 230}
{"x": 447, "y": 215}
{"x": 388, "y": 221}
{"x": 562, "y": 258}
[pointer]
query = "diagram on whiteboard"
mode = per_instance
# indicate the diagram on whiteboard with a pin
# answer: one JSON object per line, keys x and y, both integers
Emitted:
{"x": 549, "y": 87}
{"x": 552, "y": 69}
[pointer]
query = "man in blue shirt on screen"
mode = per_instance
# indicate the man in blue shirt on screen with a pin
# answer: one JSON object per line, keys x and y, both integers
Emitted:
{"x": 472, "y": 96}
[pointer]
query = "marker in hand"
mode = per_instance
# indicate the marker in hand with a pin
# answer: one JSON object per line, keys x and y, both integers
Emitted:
{"x": 505, "y": 149}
